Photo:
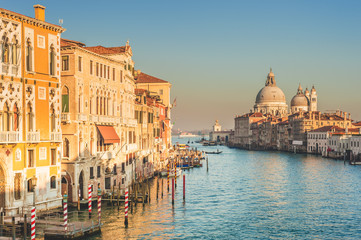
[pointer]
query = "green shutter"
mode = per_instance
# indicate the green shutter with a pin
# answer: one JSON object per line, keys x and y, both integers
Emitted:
{"x": 65, "y": 103}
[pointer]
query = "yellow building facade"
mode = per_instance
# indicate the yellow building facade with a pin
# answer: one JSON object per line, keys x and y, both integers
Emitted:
{"x": 30, "y": 134}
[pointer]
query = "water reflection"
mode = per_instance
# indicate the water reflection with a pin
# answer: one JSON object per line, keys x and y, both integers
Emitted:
{"x": 250, "y": 195}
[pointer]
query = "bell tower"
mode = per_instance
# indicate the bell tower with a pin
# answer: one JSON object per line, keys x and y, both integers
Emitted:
{"x": 217, "y": 127}
{"x": 313, "y": 99}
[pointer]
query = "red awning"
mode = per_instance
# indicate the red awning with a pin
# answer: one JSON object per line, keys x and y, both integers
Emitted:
{"x": 109, "y": 135}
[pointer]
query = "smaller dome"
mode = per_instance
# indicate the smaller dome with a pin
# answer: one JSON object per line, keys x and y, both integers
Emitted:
{"x": 299, "y": 100}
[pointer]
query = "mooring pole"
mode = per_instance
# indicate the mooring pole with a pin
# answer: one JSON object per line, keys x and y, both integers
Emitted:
{"x": 65, "y": 206}
{"x": 90, "y": 200}
{"x": 168, "y": 176}
{"x": 184, "y": 187}
{"x": 100, "y": 204}
{"x": 126, "y": 208}
{"x": 173, "y": 191}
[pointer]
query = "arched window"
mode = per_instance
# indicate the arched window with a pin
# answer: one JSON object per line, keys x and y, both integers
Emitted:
{"x": 66, "y": 148}
{"x": 65, "y": 99}
{"x": 53, "y": 182}
{"x": 5, "y": 49}
{"x": 14, "y": 51}
{"x": 52, "y": 60}
{"x": 29, "y": 56}
{"x": 29, "y": 117}
{"x": 6, "y": 118}
{"x": 52, "y": 119}
{"x": 16, "y": 118}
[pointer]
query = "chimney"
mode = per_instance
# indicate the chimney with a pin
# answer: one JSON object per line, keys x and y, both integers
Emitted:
{"x": 39, "y": 12}
{"x": 345, "y": 115}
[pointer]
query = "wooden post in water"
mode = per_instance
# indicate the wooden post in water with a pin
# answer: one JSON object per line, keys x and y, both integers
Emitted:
{"x": 143, "y": 193}
{"x": 184, "y": 187}
{"x": 118, "y": 196}
{"x": 148, "y": 186}
{"x": 173, "y": 191}
{"x": 13, "y": 227}
{"x": 78, "y": 198}
{"x": 157, "y": 187}
{"x": 207, "y": 164}
{"x": 168, "y": 175}
{"x": 162, "y": 187}
{"x": 25, "y": 226}
{"x": 1, "y": 223}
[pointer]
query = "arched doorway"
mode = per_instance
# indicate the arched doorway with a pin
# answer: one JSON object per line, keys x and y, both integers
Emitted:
{"x": 66, "y": 187}
{"x": 81, "y": 185}
{"x": 226, "y": 139}
{"x": 2, "y": 189}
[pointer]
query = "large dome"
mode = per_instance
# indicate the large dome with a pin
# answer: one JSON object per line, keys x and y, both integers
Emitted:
{"x": 270, "y": 94}
{"x": 299, "y": 101}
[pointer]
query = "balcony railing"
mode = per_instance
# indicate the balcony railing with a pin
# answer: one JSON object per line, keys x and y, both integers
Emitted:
{"x": 10, "y": 137}
{"x": 55, "y": 136}
{"x": 105, "y": 155}
{"x": 82, "y": 117}
{"x": 14, "y": 69}
{"x": 93, "y": 118}
{"x": 106, "y": 119}
{"x": 5, "y": 68}
{"x": 33, "y": 136}
{"x": 65, "y": 117}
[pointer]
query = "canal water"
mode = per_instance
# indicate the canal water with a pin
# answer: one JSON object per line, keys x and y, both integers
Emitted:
{"x": 250, "y": 195}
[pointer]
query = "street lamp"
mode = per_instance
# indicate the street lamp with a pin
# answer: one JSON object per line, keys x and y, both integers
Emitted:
{"x": 34, "y": 182}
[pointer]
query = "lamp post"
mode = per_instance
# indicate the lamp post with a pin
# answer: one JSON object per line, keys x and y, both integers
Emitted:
{"x": 34, "y": 182}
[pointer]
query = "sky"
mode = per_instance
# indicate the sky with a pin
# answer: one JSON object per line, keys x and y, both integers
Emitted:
{"x": 217, "y": 54}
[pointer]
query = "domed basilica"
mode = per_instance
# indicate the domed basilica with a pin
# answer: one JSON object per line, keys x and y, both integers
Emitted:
{"x": 271, "y": 99}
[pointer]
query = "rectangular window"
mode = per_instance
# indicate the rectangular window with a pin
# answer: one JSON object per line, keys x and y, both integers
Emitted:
{"x": 91, "y": 67}
{"x": 121, "y": 76}
{"x": 113, "y": 74}
{"x": 31, "y": 158}
{"x": 97, "y": 69}
{"x": 108, "y": 72}
{"x": 53, "y": 182}
{"x": 65, "y": 63}
{"x": 79, "y": 64}
{"x": 161, "y": 91}
{"x": 53, "y": 156}
{"x": 101, "y": 70}
{"x": 107, "y": 183}
{"x": 91, "y": 170}
{"x": 123, "y": 167}
{"x": 105, "y": 71}
{"x": 98, "y": 172}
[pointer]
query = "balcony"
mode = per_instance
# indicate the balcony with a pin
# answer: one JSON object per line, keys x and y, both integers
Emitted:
{"x": 9, "y": 137}
{"x": 93, "y": 118}
{"x": 105, "y": 155}
{"x": 5, "y": 68}
{"x": 33, "y": 136}
{"x": 65, "y": 117}
{"x": 15, "y": 70}
{"x": 131, "y": 147}
{"x": 106, "y": 119}
{"x": 131, "y": 122}
{"x": 55, "y": 137}
{"x": 82, "y": 117}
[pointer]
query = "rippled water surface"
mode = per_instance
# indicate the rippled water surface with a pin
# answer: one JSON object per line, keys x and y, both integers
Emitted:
{"x": 250, "y": 195}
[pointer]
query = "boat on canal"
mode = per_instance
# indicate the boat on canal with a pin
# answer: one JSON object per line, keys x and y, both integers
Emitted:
{"x": 214, "y": 152}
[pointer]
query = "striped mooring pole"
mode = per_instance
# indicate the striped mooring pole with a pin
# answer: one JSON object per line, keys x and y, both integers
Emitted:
{"x": 175, "y": 173}
{"x": 168, "y": 176}
{"x": 126, "y": 208}
{"x": 32, "y": 223}
{"x": 99, "y": 204}
{"x": 90, "y": 200}
{"x": 65, "y": 205}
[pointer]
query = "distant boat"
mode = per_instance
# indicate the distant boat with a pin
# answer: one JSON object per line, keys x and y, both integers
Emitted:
{"x": 217, "y": 152}
{"x": 183, "y": 135}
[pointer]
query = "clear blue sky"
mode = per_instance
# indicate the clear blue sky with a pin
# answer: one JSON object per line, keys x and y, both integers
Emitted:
{"x": 217, "y": 53}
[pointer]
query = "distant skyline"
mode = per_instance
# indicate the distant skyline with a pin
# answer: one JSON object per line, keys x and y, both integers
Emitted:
{"x": 217, "y": 54}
